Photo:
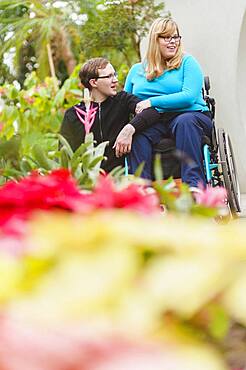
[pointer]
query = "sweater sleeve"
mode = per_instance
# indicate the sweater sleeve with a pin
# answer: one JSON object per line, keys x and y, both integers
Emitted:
{"x": 142, "y": 120}
{"x": 191, "y": 89}
{"x": 145, "y": 119}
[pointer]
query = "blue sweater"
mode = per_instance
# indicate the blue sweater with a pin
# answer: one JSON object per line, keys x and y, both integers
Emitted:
{"x": 176, "y": 90}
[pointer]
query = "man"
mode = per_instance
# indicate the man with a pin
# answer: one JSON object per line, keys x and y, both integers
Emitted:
{"x": 113, "y": 114}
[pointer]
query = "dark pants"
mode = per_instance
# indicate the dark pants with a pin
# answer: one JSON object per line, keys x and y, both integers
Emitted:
{"x": 187, "y": 129}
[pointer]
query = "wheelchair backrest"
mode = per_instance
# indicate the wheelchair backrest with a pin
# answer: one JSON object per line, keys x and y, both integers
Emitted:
{"x": 209, "y": 101}
{"x": 211, "y": 105}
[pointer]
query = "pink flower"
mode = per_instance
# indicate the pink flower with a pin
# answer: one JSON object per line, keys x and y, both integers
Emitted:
{"x": 2, "y": 90}
{"x": 26, "y": 347}
{"x": 89, "y": 117}
{"x": 29, "y": 99}
{"x": 211, "y": 197}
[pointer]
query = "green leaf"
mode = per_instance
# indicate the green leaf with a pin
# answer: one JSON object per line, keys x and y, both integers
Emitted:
{"x": 117, "y": 172}
{"x": 65, "y": 143}
{"x": 158, "y": 173}
{"x": 25, "y": 166}
{"x": 59, "y": 98}
{"x": 85, "y": 159}
{"x": 11, "y": 173}
{"x": 65, "y": 160}
{"x": 41, "y": 157}
{"x": 13, "y": 93}
{"x": 75, "y": 162}
{"x": 219, "y": 321}
{"x": 96, "y": 161}
{"x": 100, "y": 149}
{"x": 82, "y": 149}
{"x": 139, "y": 169}
{"x": 10, "y": 149}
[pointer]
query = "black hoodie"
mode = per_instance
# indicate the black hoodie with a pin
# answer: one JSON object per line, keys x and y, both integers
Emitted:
{"x": 112, "y": 115}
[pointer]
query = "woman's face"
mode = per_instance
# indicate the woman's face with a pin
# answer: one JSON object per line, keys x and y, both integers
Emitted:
{"x": 169, "y": 44}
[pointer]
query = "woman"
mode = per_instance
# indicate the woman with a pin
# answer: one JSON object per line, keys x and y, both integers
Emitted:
{"x": 170, "y": 81}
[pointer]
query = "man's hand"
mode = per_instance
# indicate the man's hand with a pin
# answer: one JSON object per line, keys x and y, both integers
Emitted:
{"x": 123, "y": 142}
{"x": 142, "y": 105}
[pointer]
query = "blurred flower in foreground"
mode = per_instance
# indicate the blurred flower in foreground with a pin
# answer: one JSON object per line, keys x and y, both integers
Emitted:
{"x": 133, "y": 197}
{"x": 25, "y": 347}
{"x": 58, "y": 190}
{"x": 115, "y": 275}
{"x": 111, "y": 283}
{"x": 211, "y": 196}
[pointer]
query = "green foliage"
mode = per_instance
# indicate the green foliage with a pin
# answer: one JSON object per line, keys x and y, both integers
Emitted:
{"x": 37, "y": 108}
{"x": 117, "y": 29}
{"x": 50, "y": 152}
{"x": 31, "y": 118}
{"x": 178, "y": 199}
{"x": 85, "y": 162}
{"x": 34, "y": 25}
{"x": 139, "y": 170}
{"x": 105, "y": 31}
{"x": 78, "y": 31}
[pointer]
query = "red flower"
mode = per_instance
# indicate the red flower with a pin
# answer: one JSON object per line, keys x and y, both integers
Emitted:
{"x": 19, "y": 199}
{"x": 134, "y": 197}
{"x": 58, "y": 190}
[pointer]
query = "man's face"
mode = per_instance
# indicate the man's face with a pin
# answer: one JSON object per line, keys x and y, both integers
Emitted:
{"x": 106, "y": 82}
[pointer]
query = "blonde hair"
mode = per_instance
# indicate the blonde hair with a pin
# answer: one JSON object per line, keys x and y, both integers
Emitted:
{"x": 154, "y": 62}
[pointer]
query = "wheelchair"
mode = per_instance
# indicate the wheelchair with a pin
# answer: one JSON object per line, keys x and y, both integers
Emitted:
{"x": 218, "y": 158}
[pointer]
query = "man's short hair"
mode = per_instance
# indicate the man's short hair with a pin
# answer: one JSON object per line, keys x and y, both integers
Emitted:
{"x": 90, "y": 70}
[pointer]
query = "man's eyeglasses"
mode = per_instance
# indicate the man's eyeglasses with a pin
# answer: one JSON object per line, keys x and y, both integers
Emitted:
{"x": 111, "y": 76}
{"x": 168, "y": 39}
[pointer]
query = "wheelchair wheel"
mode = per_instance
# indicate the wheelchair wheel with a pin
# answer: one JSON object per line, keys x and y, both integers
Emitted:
{"x": 229, "y": 171}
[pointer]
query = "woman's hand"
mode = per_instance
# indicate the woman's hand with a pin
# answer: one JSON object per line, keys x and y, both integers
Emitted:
{"x": 123, "y": 142}
{"x": 142, "y": 105}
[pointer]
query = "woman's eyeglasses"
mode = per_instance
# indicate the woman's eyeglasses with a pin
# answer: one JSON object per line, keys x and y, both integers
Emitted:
{"x": 168, "y": 39}
{"x": 111, "y": 76}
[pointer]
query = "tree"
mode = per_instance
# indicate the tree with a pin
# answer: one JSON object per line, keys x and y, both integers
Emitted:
{"x": 118, "y": 28}
{"x": 47, "y": 29}
{"x": 54, "y": 39}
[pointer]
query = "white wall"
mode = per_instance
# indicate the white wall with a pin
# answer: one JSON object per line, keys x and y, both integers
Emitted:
{"x": 215, "y": 33}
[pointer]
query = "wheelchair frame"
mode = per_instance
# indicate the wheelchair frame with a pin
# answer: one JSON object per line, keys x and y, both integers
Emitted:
{"x": 219, "y": 162}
